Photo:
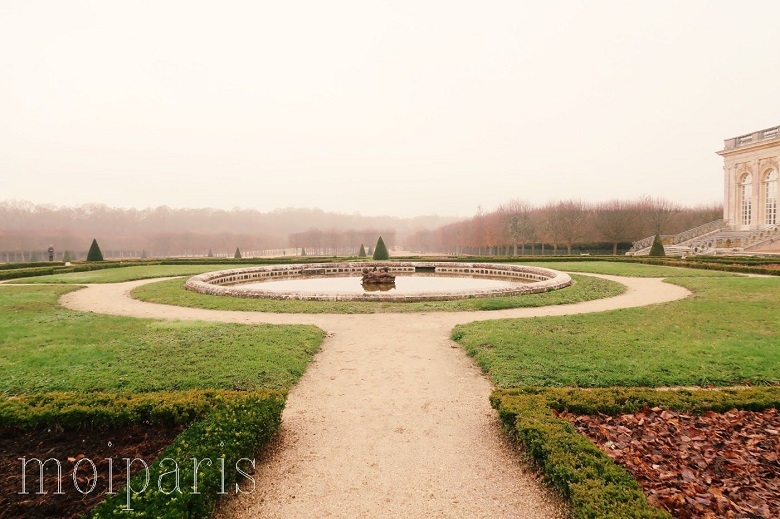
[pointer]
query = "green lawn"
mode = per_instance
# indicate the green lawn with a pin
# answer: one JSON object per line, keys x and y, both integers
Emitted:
{"x": 627, "y": 269}
{"x": 44, "y": 347}
{"x": 117, "y": 275}
{"x": 172, "y": 292}
{"x": 727, "y": 333}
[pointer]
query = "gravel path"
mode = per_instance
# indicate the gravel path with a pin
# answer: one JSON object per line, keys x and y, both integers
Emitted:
{"x": 391, "y": 419}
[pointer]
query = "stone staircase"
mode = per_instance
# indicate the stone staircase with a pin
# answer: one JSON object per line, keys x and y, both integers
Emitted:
{"x": 676, "y": 244}
{"x": 712, "y": 238}
{"x": 732, "y": 242}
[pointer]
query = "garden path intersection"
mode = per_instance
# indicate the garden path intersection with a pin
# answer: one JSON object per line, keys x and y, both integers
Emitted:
{"x": 391, "y": 419}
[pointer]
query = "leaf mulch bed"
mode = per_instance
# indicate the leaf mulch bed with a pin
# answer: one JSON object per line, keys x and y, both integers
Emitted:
{"x": 708, "y": 466}
{"x": 142, "y": 442}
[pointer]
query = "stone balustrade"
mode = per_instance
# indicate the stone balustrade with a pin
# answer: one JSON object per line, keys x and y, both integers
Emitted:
{"x": 676, "y": 239}
{"x": 696, "y": 232}
{"x": 752, "y": 138}
{"x": 733, "y": 241}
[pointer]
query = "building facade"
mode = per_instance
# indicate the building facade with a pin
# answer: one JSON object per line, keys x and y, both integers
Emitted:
{"x": 751, "y": 185}
{"x": 751, "y": 169}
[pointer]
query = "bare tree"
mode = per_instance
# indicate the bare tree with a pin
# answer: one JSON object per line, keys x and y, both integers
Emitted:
{"x": 495, "y": 232}
{"x": 551, "y": 226}
{"x": 566, "y": 221}
{"x": 519, "y": 225}
{"x": 659, "y": 211}
{"x": 616, "y": 221}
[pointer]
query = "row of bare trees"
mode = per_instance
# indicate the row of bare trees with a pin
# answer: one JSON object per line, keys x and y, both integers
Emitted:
{"x": 518, "y": 226}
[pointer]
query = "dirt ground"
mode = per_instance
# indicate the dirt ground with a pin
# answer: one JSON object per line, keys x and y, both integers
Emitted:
{"x": 696, "y": 467}
{"x": 69, "y": 447}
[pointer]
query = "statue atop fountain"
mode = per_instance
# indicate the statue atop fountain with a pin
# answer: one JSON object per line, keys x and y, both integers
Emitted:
{"x": 381, "y": 276}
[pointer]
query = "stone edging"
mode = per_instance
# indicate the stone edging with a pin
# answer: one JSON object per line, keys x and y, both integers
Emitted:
{"x": 221, "y": 282}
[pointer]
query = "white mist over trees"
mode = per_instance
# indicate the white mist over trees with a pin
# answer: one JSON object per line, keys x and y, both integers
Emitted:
{"x": 162, "y": 231}
{"x": 515, "y": 227}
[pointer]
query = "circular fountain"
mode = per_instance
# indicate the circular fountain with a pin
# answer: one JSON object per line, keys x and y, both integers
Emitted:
{"x": 413, "y": 281}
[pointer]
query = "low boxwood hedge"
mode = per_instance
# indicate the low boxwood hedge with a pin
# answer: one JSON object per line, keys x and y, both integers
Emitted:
{"x": 232, "y": 432}
{"x": 229, "y": 425}
{"x": 76, "y": 267}
{"x": 745, "y": 265}
{"x": 30, "y": 264}
{"x": 739, "y": 260}
{"x": 594, "y": 484}
{"x": 73, "y": 411}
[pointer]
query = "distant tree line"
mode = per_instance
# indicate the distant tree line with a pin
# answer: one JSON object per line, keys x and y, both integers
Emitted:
{"x": 27, "y": 230}
{"x": 518, "y": 227}
{"x": 334, "y": 242}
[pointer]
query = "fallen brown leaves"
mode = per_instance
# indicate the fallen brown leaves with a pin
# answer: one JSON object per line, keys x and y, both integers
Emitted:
{"x": 708, "y": 466}
{"x": 136, "y": 441}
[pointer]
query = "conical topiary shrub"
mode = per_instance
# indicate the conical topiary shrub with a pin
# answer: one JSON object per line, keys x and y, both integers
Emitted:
{"x": 303, "y": 251}
{"x": 658, "y": 248}
{"x": 210, "y": 254}
{"x": 94, "y": 253}
{"x": 380, "y": 251}
{"x": 237, "y": 255}
{"x": 362, "y": 253}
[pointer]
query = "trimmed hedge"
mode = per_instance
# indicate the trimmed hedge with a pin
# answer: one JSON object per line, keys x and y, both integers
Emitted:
{"x": 28, "y": 264}
{"x": 574, "y": 466}
{"x": 76, "y": 267}
{"x": 234, "y": 431}
{"x": 737, "y": 265}
{"x": 380, "y": 251}
{"x": 30, "y": 272}
{"x": 613, "y": 401}
{"x": 673, "y": 261}
{"x": 742, "y": 260}
{"x": 657, "y": 249}
{"x": 253, "y": 261}
{"x": 225, "y": 424}
{"x": 94, "y": 253}
{"x": 74, "y": 411}
{"x": 60, "y": 268}
{"x": 732, "y": 264}
{"x": 732, "y": 267}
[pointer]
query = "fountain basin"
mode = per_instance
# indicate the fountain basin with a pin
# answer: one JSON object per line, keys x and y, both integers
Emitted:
{"x": 498, "y": 280}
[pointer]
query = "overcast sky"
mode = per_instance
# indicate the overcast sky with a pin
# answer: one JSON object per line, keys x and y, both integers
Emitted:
{"x": 394, "y": 107}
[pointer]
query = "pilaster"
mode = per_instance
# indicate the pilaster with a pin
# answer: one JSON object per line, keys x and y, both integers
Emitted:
{"x": 757, "y": 219}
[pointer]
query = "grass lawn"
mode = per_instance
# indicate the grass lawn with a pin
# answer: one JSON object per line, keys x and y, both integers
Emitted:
{"x": 117, "y": 275}
{"x": 172, "y": 292}
{"x": 627, "y": 269}
{"x": 44, "y": 347}
{"x": 727, "y": 333}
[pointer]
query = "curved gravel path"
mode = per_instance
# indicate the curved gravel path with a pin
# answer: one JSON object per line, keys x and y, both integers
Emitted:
{"x": 391, "y": 419}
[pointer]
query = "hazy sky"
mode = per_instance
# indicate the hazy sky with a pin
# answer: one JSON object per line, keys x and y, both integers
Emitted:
{"x": 393, "y": 107}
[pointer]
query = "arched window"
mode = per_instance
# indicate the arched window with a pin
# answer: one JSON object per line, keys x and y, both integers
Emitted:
{"x": 770, "y": 197}
{"x": 746, "y": 198}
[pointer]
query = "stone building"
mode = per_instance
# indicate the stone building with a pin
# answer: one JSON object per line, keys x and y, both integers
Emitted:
{"x": 751, "y": 169}
{"x": 750, "y": 223}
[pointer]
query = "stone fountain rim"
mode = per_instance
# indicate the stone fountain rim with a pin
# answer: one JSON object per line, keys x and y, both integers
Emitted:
{"x": 546, "y": 280}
